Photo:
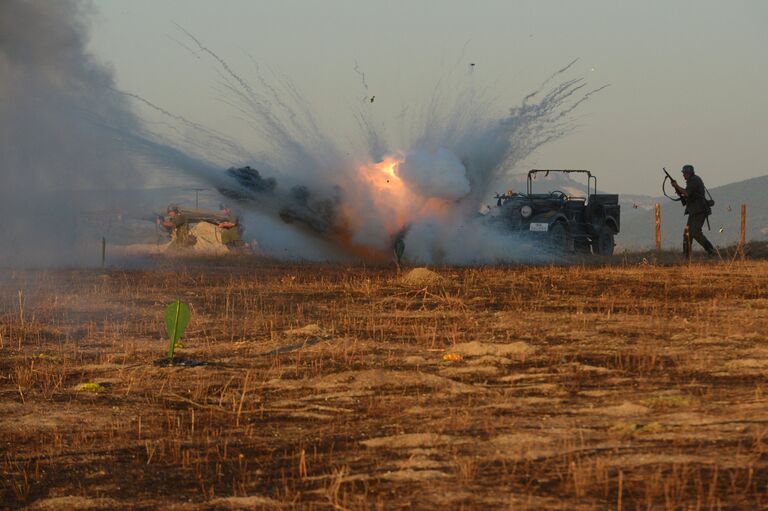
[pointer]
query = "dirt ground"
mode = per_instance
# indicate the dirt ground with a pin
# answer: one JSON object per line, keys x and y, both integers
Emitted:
{"x": 622, "y": 386}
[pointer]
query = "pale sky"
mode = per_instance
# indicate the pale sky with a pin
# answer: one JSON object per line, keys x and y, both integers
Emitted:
{"x": 688, "y": 79}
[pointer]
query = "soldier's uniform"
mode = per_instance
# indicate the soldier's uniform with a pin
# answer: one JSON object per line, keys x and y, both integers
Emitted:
{"x": 181, "y": 236}
{"x": 177, "y": 225}
{"x": 697, "y": 210}
{"x": 231, "y": 235}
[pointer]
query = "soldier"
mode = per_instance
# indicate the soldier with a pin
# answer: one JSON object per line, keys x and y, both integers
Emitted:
{"x": 230, "y": 229}
{"x": 177, "y": 226}
{"x": 696, "y": 207}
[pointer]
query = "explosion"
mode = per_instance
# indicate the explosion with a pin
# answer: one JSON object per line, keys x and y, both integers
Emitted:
{"x": 344, "y": 201}
{"x": 401, "y": 193}
{"x": 390, "y": 196}
{"x": 302, "y": 192}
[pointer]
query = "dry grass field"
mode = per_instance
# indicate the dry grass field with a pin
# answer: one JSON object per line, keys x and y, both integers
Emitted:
{"x": 621, "y": 386}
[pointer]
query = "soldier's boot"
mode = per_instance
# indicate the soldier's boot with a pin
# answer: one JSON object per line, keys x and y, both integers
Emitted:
{"x": 705, "y": 243}
{"x": 711, "y": 252}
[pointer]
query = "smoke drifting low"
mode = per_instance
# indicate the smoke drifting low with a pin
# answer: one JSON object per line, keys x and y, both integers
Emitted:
{"x": 51, "y": 90}
{"x": 64, "y": 127}
{"x": 427, "y": 190}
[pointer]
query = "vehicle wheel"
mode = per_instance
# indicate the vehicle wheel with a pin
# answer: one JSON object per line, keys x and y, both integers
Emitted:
{"x": 560, "y": 239}
{"x": 582, "y": 247}
{"x": 603, "y": 245}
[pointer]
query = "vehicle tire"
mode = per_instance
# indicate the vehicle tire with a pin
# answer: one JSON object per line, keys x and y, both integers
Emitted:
{"x": 604, "y": 244}
{"x": 582, "y": 247}
{"x": 560, "y": 240}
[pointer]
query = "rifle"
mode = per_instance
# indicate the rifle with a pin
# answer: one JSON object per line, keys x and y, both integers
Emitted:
{"x": 680, "y": 197}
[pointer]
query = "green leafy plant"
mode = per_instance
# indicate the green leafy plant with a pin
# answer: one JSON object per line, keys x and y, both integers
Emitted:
{"x": 176, "y": 320}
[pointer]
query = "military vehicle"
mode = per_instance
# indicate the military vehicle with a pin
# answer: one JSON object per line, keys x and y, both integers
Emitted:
{"x": 565, "y": 223}
{"x": 203, "y": 229}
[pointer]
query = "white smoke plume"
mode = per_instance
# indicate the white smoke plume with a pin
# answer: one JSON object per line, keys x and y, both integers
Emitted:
{"x": 439, "y": 175}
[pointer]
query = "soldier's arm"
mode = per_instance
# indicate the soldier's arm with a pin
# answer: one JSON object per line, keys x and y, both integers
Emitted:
{"x": 228, "y": 222}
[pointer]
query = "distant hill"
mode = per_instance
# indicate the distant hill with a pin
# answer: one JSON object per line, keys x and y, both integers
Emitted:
{"x": 638, "y": 225}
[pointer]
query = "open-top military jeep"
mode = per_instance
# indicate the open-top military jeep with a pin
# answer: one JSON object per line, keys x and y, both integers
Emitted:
{"x": 564, "y": 222}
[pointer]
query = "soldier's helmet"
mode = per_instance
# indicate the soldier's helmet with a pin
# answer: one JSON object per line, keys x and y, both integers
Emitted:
{"x": 172, "y": 208}
{"x": 688, "y": 168}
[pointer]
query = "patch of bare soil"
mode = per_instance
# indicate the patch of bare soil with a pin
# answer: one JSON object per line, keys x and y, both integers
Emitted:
{"x": 380, "y": 379}
{"x": 311, "y": 329}
{"x": 75, "y": 504}
{"x": 421, "y": 277}
{"x": 625, "y": 409}
{"x": 250, "y": 502}
{"x": 478, "y": 349}
{"x": 412, "y": 440}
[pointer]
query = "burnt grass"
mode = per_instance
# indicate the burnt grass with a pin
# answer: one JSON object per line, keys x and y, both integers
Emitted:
{"x": 620, "y": 385}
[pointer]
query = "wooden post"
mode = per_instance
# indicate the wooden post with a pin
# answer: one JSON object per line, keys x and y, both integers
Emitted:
{"x": 743, "y": 239}
{"x": 658, "y": 227}
{"x": 619, "y": 506}
{"x": 103, "y": 251}
{"x": 688, "y": 248}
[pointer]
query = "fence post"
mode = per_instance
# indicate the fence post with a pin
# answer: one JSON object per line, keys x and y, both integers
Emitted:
{"x": 743, "y": 239}
{"x": 688, "y": 245}
{"x": 658, "y": 227}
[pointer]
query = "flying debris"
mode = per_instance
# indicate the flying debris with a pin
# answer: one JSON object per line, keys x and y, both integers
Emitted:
{"x": 249, "y": 180}
{"x": 372, "y": 98}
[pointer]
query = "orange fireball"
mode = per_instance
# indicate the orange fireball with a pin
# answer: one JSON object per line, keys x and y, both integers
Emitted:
{"x": 395, "y": 206}
{"x": 390, "y": 194}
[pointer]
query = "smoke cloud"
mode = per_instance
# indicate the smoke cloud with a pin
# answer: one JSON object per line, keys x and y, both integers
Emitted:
{"x": 64, "y": 129}
{"x": 51, "y": 91}
{"x": 440, "y": 174}
{"x": 426, "y": 190}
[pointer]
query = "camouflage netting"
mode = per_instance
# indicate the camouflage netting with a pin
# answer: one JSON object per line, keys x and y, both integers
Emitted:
{"x": 207, "y": 240}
